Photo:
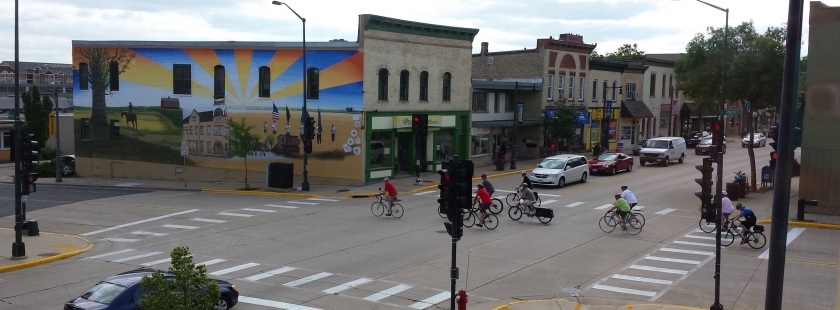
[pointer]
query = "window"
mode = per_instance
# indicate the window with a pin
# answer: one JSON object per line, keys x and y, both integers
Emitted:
{"x": 653, "y": 85}
{"x": 215, "y": 130}
{"x": 313, "y": 76}
{"x": 630, "y": 91}
{"x": 424, "y": 86}
{"x": 571, "y": 88}
{"x": 114, "y": 74}
{"x": 479, "y": 102}
{"x": 497, "y": 102}
{"x": 663, "y": 85}
{"x": 605, "y": 90}
{"x": 550, "y": 86}
{"x": 404, "y": 85}
{"x": 209, "y": 149}
{"x": 582, "y": 83}
{"x": 383, "y": 84}
{"x": 84, "y": 79}
{"x": 444, "y": 147}
{"x": 201, "y": 130}
{"x": 5, "y": 140}
{"x": 614, "y": 87}
{"x": 265, "y": 82}
{"x": 85, "y": 129}
{"x": 670, "y": 85}
{"x": 510, "y": 106}
{"x": 560, "y": 82}
{"x": 182, "y": 79}
{"x": 447, "y": 86}
{"x": 380, "y": 149}
{"x": 595, "y": 90}
{"x": 481, "y": 145}
{"x": 200, "y": 147}
{"x": 208, "y": 130}
{"x": 219, "y": 81}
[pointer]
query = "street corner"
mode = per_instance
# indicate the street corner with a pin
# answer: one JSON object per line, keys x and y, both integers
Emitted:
{"x": 360, "y": 195}
{"x": 42, "y": 249}
{"x": 805, "y": 224}
{"x": 259, "y": 193}
{"x": 536, "y": 304}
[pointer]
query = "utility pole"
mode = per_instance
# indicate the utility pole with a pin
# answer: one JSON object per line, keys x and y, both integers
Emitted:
{"x": 57, "y": 138}
{"x": 18, "y": 248}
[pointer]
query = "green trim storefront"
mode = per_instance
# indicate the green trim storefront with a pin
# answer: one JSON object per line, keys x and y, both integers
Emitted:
{"x": 391, "y": 149}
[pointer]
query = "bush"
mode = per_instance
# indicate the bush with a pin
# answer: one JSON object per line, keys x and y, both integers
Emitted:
{"x": 45, "y": 169}
{"x": 47, "y": 153}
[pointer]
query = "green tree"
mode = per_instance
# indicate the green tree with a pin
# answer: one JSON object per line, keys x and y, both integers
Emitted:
{"x": 626, "y": 51}
{"x": 242, "y": 142}
{"x": 596, "y": 56}
{"x": 803, "y": 69}
{"x": 561, "y": 125}
{"x": 99, "y": 61}
{"x": 271, "y": 139}
{"x": 37, "y": 110}
{"x": 187, "y": 289}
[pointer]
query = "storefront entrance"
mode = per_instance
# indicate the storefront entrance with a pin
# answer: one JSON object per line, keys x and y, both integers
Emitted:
{"x": 404, "y": 142}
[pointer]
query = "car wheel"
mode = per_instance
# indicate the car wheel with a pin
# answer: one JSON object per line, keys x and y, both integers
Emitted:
{"x": 667, "y": 161}
{"x": 682, "y": 158}
{"x": 724, "y": 149}
{"x": 561, "y": 182}
{"x": 613, "y": 170}
{"x": 223, "y": 304}
{"x": 630, "y": 168}
{"x": 583, "y": 178}
{"x": 642, "y": 162}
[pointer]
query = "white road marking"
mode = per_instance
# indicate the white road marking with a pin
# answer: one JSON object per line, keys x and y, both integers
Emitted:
{"x": 606, "y": 206}
{"x": 503, "y": 191}
{"x": 322, "y": 199}
{"x": 148, "y": 233}
{"x": 548, "y": 195}
{"x": 212, "y": 262}
{"x": 346, "y": 286}
{"x": 638, "y": 208}
{"x": 308, "y": 279}
{"x": 694, "y": 243}
{"x": 657, "y": 269}
{"x": 665, "y": 211}
{"x": 232, "y": 269}
{"x": 235, "y": 214}
{"x": 207, "y": 220}
{"x": 547, "y": 202}
{"x": 687, "y": 251}
{"x": 269, "y": 273}
{"x": 279, "y": 206}
{"x": 702, "y": 237}
{"x": 673, "y": 260}
{"x": 641, "y": 279}
{"x": 136, "y": 257}
{"x": 388, "y": 292}
{"x": 304, "y": 203}
{"x": 259, "y": 210}
{"x": 179, "y": 226}
{"x": 624, "y": 290}
{"x": 160, "y": 261}
{"x": 792, "y": 234}
{"x": 423, "y": 193}
{"x": 428, "y": 302}
{"x": 574, "y": 204}
{"x": 273, "y": 304}
{"x": 109, "y": 254}
{"x": 121, "y": 240}
{"x": 139, "y": 222}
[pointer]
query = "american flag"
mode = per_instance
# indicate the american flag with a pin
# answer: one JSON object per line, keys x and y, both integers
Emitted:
{"x": 275, "y": 114}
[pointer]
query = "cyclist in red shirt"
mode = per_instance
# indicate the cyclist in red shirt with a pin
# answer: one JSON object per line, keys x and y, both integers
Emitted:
{"x": 392, "y": 194}
{"x": 484, "y": 203}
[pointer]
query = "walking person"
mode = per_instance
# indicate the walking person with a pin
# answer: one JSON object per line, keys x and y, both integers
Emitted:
{"x": 265, "y": 128}
{"x": 332, "y": 133}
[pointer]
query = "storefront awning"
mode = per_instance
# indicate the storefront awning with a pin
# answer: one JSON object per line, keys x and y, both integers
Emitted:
{"x": 504, "y": 123}
{"x": 581, "y": 116}
{"x": 635, "y": 109}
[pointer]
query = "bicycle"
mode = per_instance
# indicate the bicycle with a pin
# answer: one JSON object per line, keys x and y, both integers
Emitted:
{"x": 490, "y": 219}
{"x": 635, "y": 213}
{"x": 378, "y": 208}
{"x": 496, "y": 205}
{"x": 709, "y": 227}
{"x": 631, "y": 224}
{"x": 515, "y": 213}
{"x": 512, "y": 199}
{"x": 754, "y": 237}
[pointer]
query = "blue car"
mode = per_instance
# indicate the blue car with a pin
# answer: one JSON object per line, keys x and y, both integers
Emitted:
{"x": 123, "y": 292}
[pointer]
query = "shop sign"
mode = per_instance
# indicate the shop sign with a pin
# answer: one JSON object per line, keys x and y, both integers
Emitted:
{"x": 665, "y": 107}
{"x": 479, "y": 131}
{"x": 404, "y": 121}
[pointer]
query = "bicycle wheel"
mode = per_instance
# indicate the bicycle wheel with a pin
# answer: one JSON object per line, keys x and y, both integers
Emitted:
{"x": 491, "y": 221}
{"x": 726, "y": 239}
{"x": 539, "y": 202}
{"x": 397, "y": 210}
{"x": 633, "y": 225}
{"x": 512, "y": 199}
{"x": 377, "y": 208}
{"x": 607, "y": 224}
{"x": 515, "y": 213}
{"x": 469, "y": 218}
{"x": 756, "y": 240}
{"x": 640, "y": 217}
{"x": 496, "y": 206}
{"x": 704, "y": 226}
{"x": 544, "y": 220}
{"x": 443, "y": 215}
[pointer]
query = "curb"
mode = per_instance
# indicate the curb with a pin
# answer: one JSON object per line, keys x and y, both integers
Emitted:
{"x": 260, "y": 193}
{"x": 489, "y": 176}
{"x": 805, "y": 224}
{"x": 360, "y": 195}
{"x": 115, "y": 187}
{"x": 505, "y": 306}
{"x": 48, "y": 259}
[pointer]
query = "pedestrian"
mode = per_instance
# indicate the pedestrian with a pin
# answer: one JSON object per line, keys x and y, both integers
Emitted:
{"x": 274, "y": 127}
{"x": 265, "y": 128}
{"x": 332, "y": 132}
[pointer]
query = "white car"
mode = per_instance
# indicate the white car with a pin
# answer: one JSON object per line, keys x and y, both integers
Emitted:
{"x": 758, "y": 140}
{"x": 560, "y": 169}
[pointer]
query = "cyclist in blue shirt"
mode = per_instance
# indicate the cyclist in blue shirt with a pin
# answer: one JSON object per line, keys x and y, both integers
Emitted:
{"x": 747, "y": 214}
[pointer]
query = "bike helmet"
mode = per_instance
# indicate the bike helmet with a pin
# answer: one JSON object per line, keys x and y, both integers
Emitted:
{"x": 624, "y": 187}
{"x": 617, "y": 196}
{"x": 723, "y": 193}
{"x": 480, "y": 186}
{"x": 483, "y": 176}
{"x": 523, "y": 173}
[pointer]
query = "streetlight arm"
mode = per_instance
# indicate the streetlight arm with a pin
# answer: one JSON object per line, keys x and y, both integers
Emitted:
{"x": 290, "y": 8}
{"x": 703, "y": 2}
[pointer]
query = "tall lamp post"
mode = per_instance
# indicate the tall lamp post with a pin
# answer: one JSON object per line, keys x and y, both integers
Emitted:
{"x": 605, "y": 122}
{"x": 57, "y": 111}
{"x": 517, "y": 115}
{"x": 18, "y": 247}
{"x": 305, "y": 186}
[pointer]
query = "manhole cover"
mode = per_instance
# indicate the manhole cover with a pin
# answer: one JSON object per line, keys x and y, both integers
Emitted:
{"x": 48, "y": 254}
{"x": 574, "y": 291}
{"x": 441, "y": 231}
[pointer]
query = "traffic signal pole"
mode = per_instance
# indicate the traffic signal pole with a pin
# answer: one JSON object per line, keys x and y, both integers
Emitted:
{"x": 18, "y": 247}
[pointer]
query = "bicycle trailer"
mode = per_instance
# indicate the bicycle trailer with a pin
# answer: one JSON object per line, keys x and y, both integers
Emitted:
{"x": 758, "y": 228}
{"x": 544, "y": 212}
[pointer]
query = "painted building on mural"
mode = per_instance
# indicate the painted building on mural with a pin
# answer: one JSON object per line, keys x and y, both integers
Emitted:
{"x": 184, "y": 93}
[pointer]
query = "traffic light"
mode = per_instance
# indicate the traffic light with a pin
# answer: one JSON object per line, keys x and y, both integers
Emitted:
{"x": 773, "y": 159}
{"x": 308, "y": 129}
{"x": 28, "y": 162}
{"x": 307, "y": 146}
{"x": 311, "y": 128}
{"x": 705, "y": 192}
{"x": 463, "y": 184}
{"x": 717, "y": 133}
{"x": 420, "y": 124}
{"x": 446, "y": 190}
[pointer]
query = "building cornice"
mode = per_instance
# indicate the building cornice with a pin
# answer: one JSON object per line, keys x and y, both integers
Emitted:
{"x": 382, "y": 23}
{"x": 567, "y": 46}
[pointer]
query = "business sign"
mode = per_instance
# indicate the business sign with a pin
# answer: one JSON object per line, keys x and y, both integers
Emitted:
{"x": 732, "y": 112}
{"x": 520, "y": 109}
{"x": 405, "y": 121}
{"x": 665, "y": 107}
{"x": 609, "y": 109}
{"x": 479, "y": 131}
{"x": 185, "y": 149}
{"x": 619, "y": 147}
{"x": 52, "y": 125}
{"x": 674, "y": 110}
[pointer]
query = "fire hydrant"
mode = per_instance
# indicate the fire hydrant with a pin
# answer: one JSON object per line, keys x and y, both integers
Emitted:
{"x": 461, "y": 299}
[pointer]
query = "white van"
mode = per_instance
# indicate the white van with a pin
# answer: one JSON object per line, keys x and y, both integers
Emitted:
{"x": 663, "y": 150}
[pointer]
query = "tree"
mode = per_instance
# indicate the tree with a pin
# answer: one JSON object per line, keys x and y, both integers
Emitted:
{"x": 803, "y": 69}
{"x": 188, "y": 287}
{"x": 99, "y": 61}
{"x": 561, "y": 124}
{"x": 37, "y": 110}
{"x": 626, "y": 51}
{"x": 242, "y": 142}
{"x": 596, "y": 56}
{"x": 271, "y": 140}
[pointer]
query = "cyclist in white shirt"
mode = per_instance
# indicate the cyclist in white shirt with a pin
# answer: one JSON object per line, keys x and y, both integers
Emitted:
{"x": 628, "y": 195}
{"x": 726, "y": 208}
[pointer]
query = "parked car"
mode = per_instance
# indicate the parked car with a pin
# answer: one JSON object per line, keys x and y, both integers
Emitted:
{"x": 758, "y": 140}
{"x": 123, "y": 292}
{"x": 611, "y": 163}
{"x": 559, "y": 170}
{"x": 695, "y": 137}
{"x": 663, "y": 150}
{"x": 637, "y": 149}
{"x": 707, "y": 147}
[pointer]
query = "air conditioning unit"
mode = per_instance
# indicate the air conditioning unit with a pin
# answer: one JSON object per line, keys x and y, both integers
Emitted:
{"x": 490, "y": 60}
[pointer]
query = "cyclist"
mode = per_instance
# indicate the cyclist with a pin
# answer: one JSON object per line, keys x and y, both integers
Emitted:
{"x": 726, "y": 208}
{"x": 391, "y": 190}
{"x": 628, "y": 195}
{"x": 749, "y": 218}
{"x": 527, "y": 180}
{"x": 484, "y": 203}
{"x": 527, "y": 199}
{"x": 487, "y": 185}
{"x": 623, "y": 209}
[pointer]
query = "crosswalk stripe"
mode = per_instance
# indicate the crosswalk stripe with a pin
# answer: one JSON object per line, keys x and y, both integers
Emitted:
{"x": 121, "y": 240}
{"x": 687, "y": 251}
{"x": 673, "y": 260}
{"x": 138, "y": 222}
{"x": 792, "y": 234}
{"x": 701, "y": 237}
{"x": 303, "y": 202}
{"x": 207, "y": 220}
{"x": 428, "y": 302}
{"x": 657, "y": 269}
{"x": 694, "y": 243}
{"x": 136, "y": 257}
{"x": 346, "y": 286}
{"x": 273, "y": 304}
{"x": 574, "y": 204}
{"x": 665, "y": 211}
{"x": 269, "y": 273}
{"x": 641, "y": 279}
{"x": 232, "y": 269}
{"x": 279, "y": 206}
{"x": 235, "y": 214}
{"x": 213, "y": 262}
{"x": 322, "y": 199}
{"x": 638, "y": 208}
{"x": 258, "y": 210}
{"x": 180, "y": 226}
{"x": 423, "y": 193}
{"x": 148, "y": 233}
{"x": 160, "y": 261}
{"x": 308, "y": 279}
{"x": 547, "y": 202}
{"x": 606, "y": 206}
{"x": 624, "y": 290}
{"x": 109, "y": 254}
{"x": 388, "y": 292}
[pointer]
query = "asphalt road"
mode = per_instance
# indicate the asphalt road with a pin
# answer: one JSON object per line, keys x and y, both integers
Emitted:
{"x": 48, "y": 196}
{"x": 332, "y": 253}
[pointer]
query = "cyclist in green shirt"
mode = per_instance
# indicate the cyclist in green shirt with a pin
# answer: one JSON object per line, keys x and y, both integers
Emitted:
{"x": 623, "y": 208}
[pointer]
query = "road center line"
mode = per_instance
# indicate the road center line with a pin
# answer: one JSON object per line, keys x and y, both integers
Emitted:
{"x": 792, "y": 234}
{"x": 139, "y": 222}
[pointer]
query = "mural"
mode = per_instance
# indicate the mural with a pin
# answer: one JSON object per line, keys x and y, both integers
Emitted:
{"x": 169, "y": 98}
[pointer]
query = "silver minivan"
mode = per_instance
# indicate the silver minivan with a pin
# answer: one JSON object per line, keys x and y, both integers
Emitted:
{"x": 663, "y": 150}
{"x": 560, "y": 169}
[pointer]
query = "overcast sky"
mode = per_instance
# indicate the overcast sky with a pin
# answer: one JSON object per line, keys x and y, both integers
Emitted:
{"x": 658, "y": 26}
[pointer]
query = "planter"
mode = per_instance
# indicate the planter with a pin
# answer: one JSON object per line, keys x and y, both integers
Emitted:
{"x": 500, "y": 166}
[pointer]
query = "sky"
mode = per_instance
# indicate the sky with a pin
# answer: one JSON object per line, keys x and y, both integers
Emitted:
{"x": 47, "y": 27}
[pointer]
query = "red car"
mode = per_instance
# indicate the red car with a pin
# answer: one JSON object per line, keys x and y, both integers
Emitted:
{"x": 611, "y": 163}
{"x": 706, "y": 147}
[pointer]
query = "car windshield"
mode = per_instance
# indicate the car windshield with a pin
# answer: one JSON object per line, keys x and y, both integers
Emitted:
{"x": 706, "y": 141}
{"x": 553, "y": 163}
{"x": 755, "y": 137}
{"x": 657, "y": 144}
{"x": 103, "y": 292}
{"x": 607, "y": 157}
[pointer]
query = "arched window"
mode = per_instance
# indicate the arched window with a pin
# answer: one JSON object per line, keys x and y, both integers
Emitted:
{"x": 404, "y": 85}
{"x": 383, "y": 84}
{"x": 313, "y": 76}
{"x": 114, "y": 74}
{"x": 219, "y": 82}
{"x": 424, "y": 86}
{"x": 265, "y": 82}
{"x": 84, "y": 78}
{"x": 447, "y": 86}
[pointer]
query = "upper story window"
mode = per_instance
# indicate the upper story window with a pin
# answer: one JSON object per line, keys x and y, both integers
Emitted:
{"x": 447, "y": 86}
{"x": 404, "y": 85}
{"x": 653, "y": 85}
{"x": 671, "y": 84}
{"x": 383, "y": 84}
{"x": 571, "y": 88}
{"x": 595, "y": 90}
{"x": 479, "y": 102}
{"x": 663, "y": 85}
{"x": 313, "y": 78}
{"x": 582, "y": 83}
{"x": 560, "y": 82}
{"x": 265, "y": 82}
{"x": 424, "y": 86}
{"x": 630, "y": 91}
{"x": 219, "y": 81}
{"x": 182, "y": 79}
{"x": 550, "y": 88}
{"x": 114, "y": 75}
{"x": 614, "y": 90}
{"x": 84, "y": 76}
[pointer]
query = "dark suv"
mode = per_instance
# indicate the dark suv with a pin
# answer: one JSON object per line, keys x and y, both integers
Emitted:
{"x": 694, "y": 138}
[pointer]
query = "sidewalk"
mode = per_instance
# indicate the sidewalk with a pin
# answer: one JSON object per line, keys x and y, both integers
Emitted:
{"x": 762, "y": 201}
{"x": 42, "y": 249}
{"x": 572, "y": 304}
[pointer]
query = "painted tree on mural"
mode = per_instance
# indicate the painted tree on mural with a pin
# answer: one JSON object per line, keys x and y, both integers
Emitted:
{"x": 99, "y": 62}
{"x": 242, "y": 142}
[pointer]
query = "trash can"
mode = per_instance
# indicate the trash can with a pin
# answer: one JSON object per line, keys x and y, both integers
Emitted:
{"x": 733, "y": 191}
{"x": 280, "y": 175}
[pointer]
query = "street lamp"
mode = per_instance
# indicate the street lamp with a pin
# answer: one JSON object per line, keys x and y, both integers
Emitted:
{"x": 57, "y": 136}
{"x": 517, "y": 115}
{"x": 305, "y": 186}
{"x": 605, "y": 121}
